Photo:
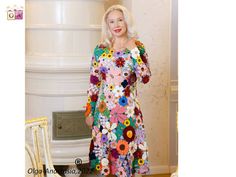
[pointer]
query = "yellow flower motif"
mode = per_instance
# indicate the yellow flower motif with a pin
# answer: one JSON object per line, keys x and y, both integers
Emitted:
{"x": 98, "y": 167}
{"x": 129, "y": 134}
{"x": 111, "y": 51}
{"x": 140, "y": 161}
{"x": 111, "y": 87}
{"x": 104, "y": 54}
{"x": 95, "y": 64}
{"x": 127, "y": 122}
{"x": 89, "y": 100}
{"x": 139, "y": 60}
{"x": 109, "y": 55}
{"x": 98, "y": 84}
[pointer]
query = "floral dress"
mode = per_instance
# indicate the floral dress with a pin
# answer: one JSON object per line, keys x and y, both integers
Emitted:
{"x": 118, "y": 144}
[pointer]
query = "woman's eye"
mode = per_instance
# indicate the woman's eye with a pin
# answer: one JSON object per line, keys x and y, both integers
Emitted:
{"x": 120, "y": 20}
{"x": 111, "y": 21}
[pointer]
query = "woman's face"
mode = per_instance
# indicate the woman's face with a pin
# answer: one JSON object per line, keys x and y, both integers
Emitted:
{"x": 116, "y": 23}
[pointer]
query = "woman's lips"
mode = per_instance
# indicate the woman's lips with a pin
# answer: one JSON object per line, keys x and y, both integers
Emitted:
{"x": 117, "y": 30}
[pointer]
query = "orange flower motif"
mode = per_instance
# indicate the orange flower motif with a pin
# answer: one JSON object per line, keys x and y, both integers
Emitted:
{"x": 102, "y": 106}
{"x": 122, "y": 147}
{"x": 88, "y": 110}
{"x": 138, "y": 43}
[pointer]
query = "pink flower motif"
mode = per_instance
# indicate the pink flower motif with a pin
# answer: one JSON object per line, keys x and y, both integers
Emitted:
{"x": 144, "y": 169}
{"x": 109, "y": 96}
{"x": 97, "y": 142}
{"x": 121, "y": 172}
{"x": 95, "y": 131}
{"x": 117, "y": 114}
{"x": 113, "y": 166}
{"x": 114, "y": 76}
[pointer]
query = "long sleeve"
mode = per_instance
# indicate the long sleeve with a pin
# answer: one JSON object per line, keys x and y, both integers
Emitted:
{"x": 94, "y": 86}
{"x": 141, "y": 64}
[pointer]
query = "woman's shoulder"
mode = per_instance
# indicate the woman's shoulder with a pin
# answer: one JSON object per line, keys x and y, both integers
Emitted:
{"x": 99, "y": 50}
{"x": 140, "y": 46}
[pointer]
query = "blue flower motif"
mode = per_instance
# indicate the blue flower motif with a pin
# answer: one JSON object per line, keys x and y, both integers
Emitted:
{"x": 118, "y": 54}
{"x": 103, "y": 69}
{"x": 104, "y": 138}
{"x": 123, "y": 101}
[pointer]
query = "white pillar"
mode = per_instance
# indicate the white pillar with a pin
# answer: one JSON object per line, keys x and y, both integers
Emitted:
{"x": 60, "y": 37}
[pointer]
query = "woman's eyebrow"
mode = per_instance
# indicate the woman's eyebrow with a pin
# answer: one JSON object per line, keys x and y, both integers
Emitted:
{"x": 115, "y": 18}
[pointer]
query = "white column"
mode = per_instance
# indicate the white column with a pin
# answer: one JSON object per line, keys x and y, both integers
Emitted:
{"x": 60, "y": 37}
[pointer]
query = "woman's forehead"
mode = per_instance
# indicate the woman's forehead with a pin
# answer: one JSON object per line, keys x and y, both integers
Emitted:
{"x": 114, "y": 14}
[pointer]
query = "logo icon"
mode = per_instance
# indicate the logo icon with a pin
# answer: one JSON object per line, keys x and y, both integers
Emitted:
{"x": 14, "y": 13}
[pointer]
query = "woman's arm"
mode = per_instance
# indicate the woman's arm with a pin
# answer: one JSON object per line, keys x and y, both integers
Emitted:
{"x": 140, "y": 59}
{"x": 94, "y": 86}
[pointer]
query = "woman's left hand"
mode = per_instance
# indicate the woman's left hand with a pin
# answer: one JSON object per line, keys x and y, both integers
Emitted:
{"x": 131, "y": 44}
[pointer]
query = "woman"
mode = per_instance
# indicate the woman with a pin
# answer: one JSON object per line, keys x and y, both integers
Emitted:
{"x": 118, "y": 146}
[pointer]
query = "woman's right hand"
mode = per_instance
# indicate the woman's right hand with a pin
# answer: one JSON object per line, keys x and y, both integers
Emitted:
{"x": 89, "y": 121}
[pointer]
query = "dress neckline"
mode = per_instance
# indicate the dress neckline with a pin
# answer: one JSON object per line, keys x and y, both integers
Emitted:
{"x": 120, "y": 50}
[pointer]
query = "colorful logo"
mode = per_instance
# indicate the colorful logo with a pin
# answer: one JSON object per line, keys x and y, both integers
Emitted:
{"x": 14, "y": 13}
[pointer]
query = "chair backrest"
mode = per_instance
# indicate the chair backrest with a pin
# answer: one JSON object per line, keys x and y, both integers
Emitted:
{"x": 36, "y": 126}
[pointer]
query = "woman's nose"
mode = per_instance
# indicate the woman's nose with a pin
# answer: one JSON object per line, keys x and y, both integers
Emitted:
{"x": 116, "y": 24}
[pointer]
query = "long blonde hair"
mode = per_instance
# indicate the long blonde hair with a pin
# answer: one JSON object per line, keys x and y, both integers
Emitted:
{"x": 106, "y": 38}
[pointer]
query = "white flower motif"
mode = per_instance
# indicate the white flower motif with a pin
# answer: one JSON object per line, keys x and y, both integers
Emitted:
{"x": 103, "y": 120}
{"x": 108, "y": 130}
{"x": 132, "y": 147}
{"x": 135, "y": 53}
{"x": 104, "y": 162}
{"x": 105, "y": 170}
{"x": 98, "y": 151}
{"x": 130, "y": 111}
{"x": 142, "y": 69}
{"x": 138, "y": 120}
{"x": 92, "y": 89}
{"x": 111, "y": 105}
{"x": 144, "y": 148}
{"x": 118, "y": 91}
{"x": 108, "y": 63}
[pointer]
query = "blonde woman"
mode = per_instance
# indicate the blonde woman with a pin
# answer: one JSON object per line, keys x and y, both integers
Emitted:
{"x": 118, "y": 146}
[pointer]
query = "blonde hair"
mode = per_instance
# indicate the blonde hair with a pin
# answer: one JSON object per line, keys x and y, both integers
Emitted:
{"x": 106, "y": 38}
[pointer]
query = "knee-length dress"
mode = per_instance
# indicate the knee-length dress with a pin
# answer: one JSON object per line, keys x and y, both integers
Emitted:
{"x": 118, "y": 145}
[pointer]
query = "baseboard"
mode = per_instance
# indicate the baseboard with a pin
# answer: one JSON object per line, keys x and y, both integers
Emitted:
{"x": 173, "y": 169}
{"x": 164, "y": 169}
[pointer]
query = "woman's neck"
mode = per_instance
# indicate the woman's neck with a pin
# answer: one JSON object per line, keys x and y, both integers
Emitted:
{"x": 119, "y": 42}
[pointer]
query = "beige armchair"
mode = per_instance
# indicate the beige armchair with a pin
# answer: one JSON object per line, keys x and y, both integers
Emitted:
{"x": 34, "y": 163}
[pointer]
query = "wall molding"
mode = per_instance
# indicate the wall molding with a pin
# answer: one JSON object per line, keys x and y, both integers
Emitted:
{"x": 162, "y": 169}
{"x": 63, "y": 27}
{"x": 52, "y": 94}
{"x": 43, "y": 63}
{"x": 69, "y": 0}
{"x": 173, "y": 168}
{"x": 47, "y": 69}
{"x": 174, "y": 86}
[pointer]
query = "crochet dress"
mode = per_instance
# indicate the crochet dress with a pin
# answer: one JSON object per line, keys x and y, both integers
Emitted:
{"x": 118, "y": 145}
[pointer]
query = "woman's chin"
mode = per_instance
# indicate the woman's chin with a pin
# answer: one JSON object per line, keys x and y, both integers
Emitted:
{"x": 121, "y": 34}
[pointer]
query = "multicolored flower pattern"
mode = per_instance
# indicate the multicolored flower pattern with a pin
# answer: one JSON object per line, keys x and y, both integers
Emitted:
{"x": 118, "y": 144}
